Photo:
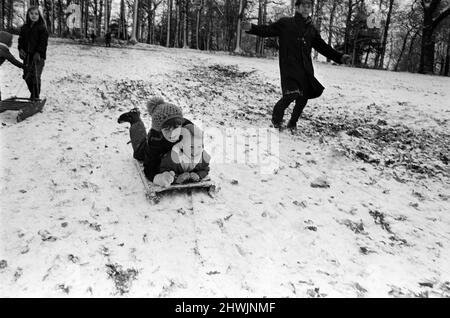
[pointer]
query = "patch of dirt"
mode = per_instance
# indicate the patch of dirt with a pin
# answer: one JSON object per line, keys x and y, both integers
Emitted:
{"x": 379, "y": 219}
{"x": 122, "y": 278}
{"x": 419, "y": 152}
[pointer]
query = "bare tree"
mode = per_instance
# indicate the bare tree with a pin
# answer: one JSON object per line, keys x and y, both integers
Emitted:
{"x": 242, "y": 4}
{"x": 135, "y": 21}
{"x": 200, "y": 5}
{"x": 169, "y": 14}
{"x": 331, "y": 25}
{"x": 185, "y": 23}
{"x": 431, "y": 20}
{"x": 385, "y": 34}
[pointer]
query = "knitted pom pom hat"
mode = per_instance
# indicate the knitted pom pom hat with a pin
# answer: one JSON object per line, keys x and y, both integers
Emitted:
{"x": 162, "y": 112}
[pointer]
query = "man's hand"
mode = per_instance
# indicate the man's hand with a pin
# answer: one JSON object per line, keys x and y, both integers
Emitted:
{"x": 22, "y": 54}
{"x": 36, "y": 57}
{"x": 346, "y": 59}
{"x": 182, "y": 178}
{"x": 195, "y": 177}
{"x": 164, "y": 179}
{"x": 246, "y": 26}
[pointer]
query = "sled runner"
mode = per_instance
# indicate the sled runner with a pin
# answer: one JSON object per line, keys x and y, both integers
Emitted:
{"x": 26, "y": 106}
{"x": 154, "y": 192}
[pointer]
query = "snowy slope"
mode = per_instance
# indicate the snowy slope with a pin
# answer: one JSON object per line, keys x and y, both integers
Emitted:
{"x": 75, "y": 221}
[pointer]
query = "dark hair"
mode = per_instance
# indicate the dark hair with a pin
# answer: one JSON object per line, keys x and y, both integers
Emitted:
{"x": 39, "y": 21}
{"x": 173, "y": 123}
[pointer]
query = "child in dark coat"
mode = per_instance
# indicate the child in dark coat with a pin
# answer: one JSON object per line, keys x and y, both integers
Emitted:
{"x": 5, "y": 54}
{"x": 167, "y": 124}
{"x": 33, "y": 41}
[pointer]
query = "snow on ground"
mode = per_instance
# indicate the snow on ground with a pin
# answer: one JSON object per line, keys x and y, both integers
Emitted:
{"x": 75, "y": 220}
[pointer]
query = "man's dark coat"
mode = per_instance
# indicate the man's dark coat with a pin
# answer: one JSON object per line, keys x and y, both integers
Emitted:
{"x": 297, "y": 37}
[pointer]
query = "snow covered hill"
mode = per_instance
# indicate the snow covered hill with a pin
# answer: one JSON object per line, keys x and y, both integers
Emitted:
{"x": 357, "y": 207}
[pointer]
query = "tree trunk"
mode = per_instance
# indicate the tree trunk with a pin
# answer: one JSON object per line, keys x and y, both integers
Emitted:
{"x": 153, "y": 38}
{"x": 185, "y": 24}
{"x": 427, "y": 56}
{"x": 86, "y": 18}
{"x": 122, "y": 29}
{"x": 402, "y": 50}
{"x": 10, "y": 14}
{"x": 208, "y": 28}
{"x": 330, "y": 30}
{"x": 53, "y": 15}
{"x": 2, "y": 14}
{"x": 177, "y": 23}
{"x": 82, "y": 17}
{"x": 259, "y": 39}
{"x": 390, "y": 53}
{"x": 318, "y": 12}
{"x": 411, "y": 45}
{"x": 135, "y": 21}
{"x": 197, "y": 29}
{"x": 385, "y": 34}
{"x": 347, "y": 27}
{"x": 60, "y": 17}
{"x": 169, "y": 15}
{"x": 106, "y": 24}
{"x": 238, "y": 32}
{"x": 95, "y": 16}
{"x": 447, "y": 58}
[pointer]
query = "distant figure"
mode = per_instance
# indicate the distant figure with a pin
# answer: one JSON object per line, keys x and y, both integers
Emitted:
{"x": 108, "y": 39}
{"x": 93, "y": 36}
{"x": 33, "y": 41}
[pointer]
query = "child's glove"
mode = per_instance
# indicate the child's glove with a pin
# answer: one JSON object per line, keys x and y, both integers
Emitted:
{"x": 182, "y": 178}
{"x": 164, "y": 179}
{"x": 194, "y": 177}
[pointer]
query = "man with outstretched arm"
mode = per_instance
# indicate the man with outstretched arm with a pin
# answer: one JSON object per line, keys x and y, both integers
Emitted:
{"x": 297, "y": 36}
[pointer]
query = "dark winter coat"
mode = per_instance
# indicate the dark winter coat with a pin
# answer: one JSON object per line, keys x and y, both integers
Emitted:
{"x": 5, "y": 54}
{"x": 158, "y": 146}
{"x": 297, "y": 37}
{"x": 34, "y": 39}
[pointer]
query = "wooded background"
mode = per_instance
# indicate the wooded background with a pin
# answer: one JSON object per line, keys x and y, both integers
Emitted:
{"x": 414, "y": 35}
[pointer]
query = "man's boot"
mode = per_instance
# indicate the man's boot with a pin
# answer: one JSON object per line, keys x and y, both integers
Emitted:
{"x": 292, "y": 125}
{"x": 277, "y": 124}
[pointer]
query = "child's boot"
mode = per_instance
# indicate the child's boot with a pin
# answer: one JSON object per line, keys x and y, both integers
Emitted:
{"x": 131, "y": 117}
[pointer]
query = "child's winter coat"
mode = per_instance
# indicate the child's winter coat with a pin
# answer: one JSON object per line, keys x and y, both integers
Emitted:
{"x": 188, "y": 154}
{"x": 34, "y": 39}
{"x": 5, "y": 54}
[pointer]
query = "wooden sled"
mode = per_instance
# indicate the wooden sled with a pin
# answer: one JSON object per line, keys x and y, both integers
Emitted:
{"x": 154, "y": 192}
{"x": 26, "y": 106}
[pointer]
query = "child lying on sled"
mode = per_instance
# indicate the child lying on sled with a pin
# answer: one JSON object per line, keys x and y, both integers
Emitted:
{"x": 187, "y": 161}
{"x": 168, "y": 124}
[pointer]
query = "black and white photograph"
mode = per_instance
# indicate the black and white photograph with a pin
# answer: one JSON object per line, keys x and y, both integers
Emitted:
{"x": 214, "y": 149}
